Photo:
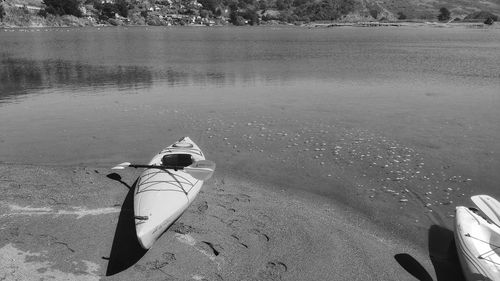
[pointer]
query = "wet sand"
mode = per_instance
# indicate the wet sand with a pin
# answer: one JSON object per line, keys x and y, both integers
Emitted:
{"x": 75, "y": 223}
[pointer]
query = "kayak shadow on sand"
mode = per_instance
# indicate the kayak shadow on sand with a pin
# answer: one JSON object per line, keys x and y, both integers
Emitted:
{"x": 442, "y": 253}
{"x": 412, "y": 266}
{"x": 125, "y": 250}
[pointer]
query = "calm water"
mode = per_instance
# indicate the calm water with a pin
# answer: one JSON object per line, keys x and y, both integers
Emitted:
{"x": 325, "y": 103}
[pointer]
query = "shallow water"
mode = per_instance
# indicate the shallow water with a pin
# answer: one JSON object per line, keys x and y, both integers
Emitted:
{"x": 408, "y": 115}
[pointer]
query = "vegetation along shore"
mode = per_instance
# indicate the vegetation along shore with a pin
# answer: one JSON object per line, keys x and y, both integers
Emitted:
{"x": 54, "y": 13}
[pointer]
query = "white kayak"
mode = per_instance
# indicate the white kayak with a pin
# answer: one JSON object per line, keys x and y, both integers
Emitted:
{"x": 162, "y": 195}
{"x": 477, "y": 238}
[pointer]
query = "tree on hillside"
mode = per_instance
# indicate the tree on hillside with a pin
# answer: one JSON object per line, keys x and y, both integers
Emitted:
{"x": 210, "y": 5}
{"x": 205, "y": 13}
{"x": 122, "y": 7}
{"x": 63, "y": 7}
{"x": 2, "y": 12}
{"x": 262, "y": 5}
{"x": 401, "y": 16}
{"x": 324, "y": 10}
{"x": 344, "y": 7}
{"x": 297, "y": 3}
{"x": 218, "y": 12}
{"x": 107, "y": 10}
{"x": 251, "y": 16}
{"x": 234, "y": 16}
{"x": 444, "y": 14}
{"x": 283, "y": 4}
{"x": 236, "y": 19}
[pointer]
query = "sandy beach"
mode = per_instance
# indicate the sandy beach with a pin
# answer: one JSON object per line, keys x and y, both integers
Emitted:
{"x": 75, "y": 223}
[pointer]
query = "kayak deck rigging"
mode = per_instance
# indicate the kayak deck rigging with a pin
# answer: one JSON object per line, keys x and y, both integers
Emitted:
{"x": 181, "y": 150}
{"x": 177, "y": 182}
{"x": 492, "y": 251}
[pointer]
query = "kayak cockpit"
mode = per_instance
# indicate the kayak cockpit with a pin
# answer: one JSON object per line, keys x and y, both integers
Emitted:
{"x": 177, "y": 159}
{"x": 479, "y": 213}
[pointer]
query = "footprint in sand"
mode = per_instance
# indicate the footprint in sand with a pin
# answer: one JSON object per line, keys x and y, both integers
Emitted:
{"x": 242, "y": 198}
{"x": 238, "y": 239}
{"x": 234, "y": 223}
{"x": 246, "y": 240}
{"x": 260, "y": 234}
{"x": 211, "y": 248}
{"x": 182, "y": 228}
{"x": 202, "y": 208}
{"x": 228, "y": 209}
{"x": 264, "y": 217}
{"x": 274, "y": 270}
{"x": 166, "y": 258}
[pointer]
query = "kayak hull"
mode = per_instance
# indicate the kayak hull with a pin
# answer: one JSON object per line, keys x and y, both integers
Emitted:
{"x": 161, "y": 196}
{"x": 477, "y": 242}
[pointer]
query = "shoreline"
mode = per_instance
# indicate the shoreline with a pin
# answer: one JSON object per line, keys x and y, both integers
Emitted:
{"x": 311, "y": 25}
{"x": 74, "y": 222}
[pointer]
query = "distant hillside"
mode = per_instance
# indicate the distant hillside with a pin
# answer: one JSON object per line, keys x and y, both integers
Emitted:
{"x": 414, "y": 9}
{"x": 239, "y": 12}
{"x": 429, "y": 9}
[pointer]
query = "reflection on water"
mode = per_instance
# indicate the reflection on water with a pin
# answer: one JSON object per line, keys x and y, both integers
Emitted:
{"x": 24, "y": 76}
{"x": 179, "y": 78}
